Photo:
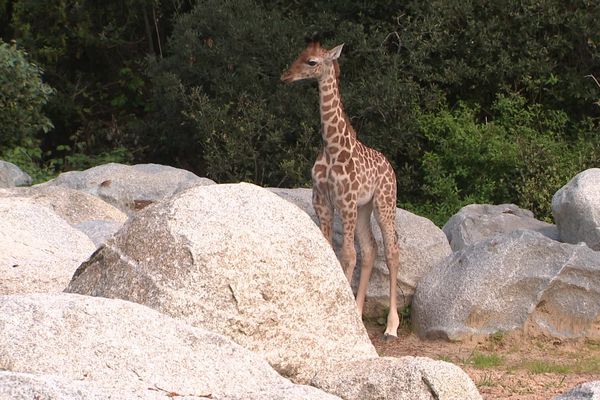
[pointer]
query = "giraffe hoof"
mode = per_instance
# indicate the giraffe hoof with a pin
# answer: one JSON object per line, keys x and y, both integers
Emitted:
{"x": 388, "y": 337}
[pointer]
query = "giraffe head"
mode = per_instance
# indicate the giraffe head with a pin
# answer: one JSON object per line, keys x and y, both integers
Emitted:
{"x": 314, "y": 62}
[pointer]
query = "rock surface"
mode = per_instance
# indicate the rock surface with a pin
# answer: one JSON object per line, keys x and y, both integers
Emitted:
{"x": 240, "y": 261}
{"x": 519, "y": 281}
{"x": 11, "y": 175}
{"x": 39, "y": 251}
{"x": 576, "y": 209}
{"x": 422, "y": 245}
{"x": 126, "y": 351}
{"x": 130, "y": 187}
{"x": 23, "y": 386}
{"x": 72, "y": 205}
{"x": 88, "y": 214}
{"x": 585, "y": 391}
{"x": 477, "y": 222}
{"x": 405, "y": 378}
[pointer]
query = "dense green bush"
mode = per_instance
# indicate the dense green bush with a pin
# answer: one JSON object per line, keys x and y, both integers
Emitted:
{"x": 522, "y": 156}
{"x": 22, "y": 97}
{"x": 471, "y": 101}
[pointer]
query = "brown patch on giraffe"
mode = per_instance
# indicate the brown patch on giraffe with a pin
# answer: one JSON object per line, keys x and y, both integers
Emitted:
{"x": 331, "y": 130}
{"x": 319, "y": 170}
{"x": 343, "y": 156}
{"x": 325, "y": 108}
{"x": 341, "y": 126}
{"x": 349, "y": 166}
{"x": 333, "y": 149}
{"x": 327, "y": 98}
{"x": 334, "y": 120}
{"x": 355, "y": 185}
{"x": 327, "y": 116}
{"x": 335, "y": 103}
{"x": 337, "y": 169}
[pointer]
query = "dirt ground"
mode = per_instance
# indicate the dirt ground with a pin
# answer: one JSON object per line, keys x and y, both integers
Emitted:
{"x": 505, "y": 366}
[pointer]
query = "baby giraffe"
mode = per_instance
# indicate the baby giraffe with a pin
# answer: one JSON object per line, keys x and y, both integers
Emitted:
{"x": 350, "y": 177}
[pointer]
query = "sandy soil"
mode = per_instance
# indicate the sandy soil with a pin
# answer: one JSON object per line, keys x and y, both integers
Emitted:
{"x": 506, "y": 366}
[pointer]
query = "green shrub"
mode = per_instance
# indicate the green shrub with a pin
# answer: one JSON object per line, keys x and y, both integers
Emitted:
{"x": 22, "y": 96}
{"x": 523, "y": 156}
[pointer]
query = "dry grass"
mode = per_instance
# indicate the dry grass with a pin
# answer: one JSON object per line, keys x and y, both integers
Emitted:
{"x": 506, "y": 366}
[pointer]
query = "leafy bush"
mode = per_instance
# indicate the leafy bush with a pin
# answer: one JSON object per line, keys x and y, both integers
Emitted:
{"x": 22, "y": 97}
{"x": 522, "y": 156}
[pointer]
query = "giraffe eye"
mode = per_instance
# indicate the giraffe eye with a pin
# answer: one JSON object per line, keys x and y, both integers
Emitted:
{"x": 312, "y": 63}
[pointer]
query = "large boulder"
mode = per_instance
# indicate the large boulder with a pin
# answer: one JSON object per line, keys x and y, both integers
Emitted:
{"x": 405, "y": 378}
{"x": 522, "y": 281}
{"x": 39, "y": 250}
{"x": 240, "y": 261}
{"x": 130, "y": 187}
{"x": 422, "y": 245}
{"x": 477, "y": 222}
{"x": 585, "y": 391}
{"x": 127, "y": 351}
{"x": 23, "y": 386}
{"x": 11, "y": 175}
{"x": 89, "y": 214}
{"x": 576, "y": 209}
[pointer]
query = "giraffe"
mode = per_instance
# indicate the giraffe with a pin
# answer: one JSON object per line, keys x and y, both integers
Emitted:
{"x": 351, "y": 178}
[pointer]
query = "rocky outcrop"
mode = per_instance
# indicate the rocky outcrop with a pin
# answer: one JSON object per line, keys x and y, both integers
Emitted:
{"x": 72, "y": 205}
{"x": 129, "y": 187}
{"x": 405, "y": 378}
{"x": 519, "y": 281}
{"x": 23, "y": 386}
{"x": 68, "y": 346}
{"x": 240, "y": 261}
{"x": 89, "y": 214}
{"x": 585, "y": 391}
{"x": 422, "y": 245}
{"x": 11, "y": 175}
{"x": 576, "y": 209}
{"x": 477, "y": 222}
{"x": 39, "y": 250}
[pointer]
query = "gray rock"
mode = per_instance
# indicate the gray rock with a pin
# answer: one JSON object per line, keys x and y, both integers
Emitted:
{"x": 240, "y": 261}
{"x": 518, "y": 281}
{"x": 585, "y": 391}
{"x": 422, "y": 245}
{"x": 89, "y": 214}
{"x": 72, "y": 205}
{"x": 405, "y": 378}
{"x": 576, "y": 209}
{"x": 11, "y": 175}
{"x": 23, "y": 386}
{"x": 477, "y": 222}
{"x": 130, "y": 187}
{"x": 99, "y": 231}
{"x": 128, "y": 351}
{"x": 39, "y": 251}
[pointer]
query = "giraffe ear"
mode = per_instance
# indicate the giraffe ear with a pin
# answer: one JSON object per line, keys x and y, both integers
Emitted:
{"x": 335, "y": 53}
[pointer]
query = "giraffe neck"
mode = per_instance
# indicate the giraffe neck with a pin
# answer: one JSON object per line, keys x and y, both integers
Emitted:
{"x": 336, "y": 129}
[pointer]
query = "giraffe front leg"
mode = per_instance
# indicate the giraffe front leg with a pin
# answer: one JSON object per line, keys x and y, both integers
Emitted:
{"x": 348, "y": 252}
{"x": 324, "y": 211}
{"x": 368, "y": 252}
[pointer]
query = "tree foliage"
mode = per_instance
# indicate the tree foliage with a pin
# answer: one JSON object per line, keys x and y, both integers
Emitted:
{"x": 472, "y": 101}
{"x": 22, "y": 97}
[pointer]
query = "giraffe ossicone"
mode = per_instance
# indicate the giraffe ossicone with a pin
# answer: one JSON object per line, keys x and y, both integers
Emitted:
{"x": 351, "y": 178}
